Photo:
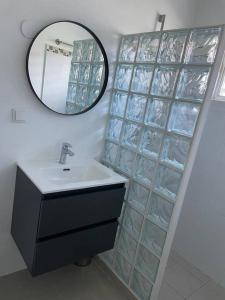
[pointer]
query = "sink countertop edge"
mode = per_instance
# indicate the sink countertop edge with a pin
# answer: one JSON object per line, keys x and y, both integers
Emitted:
{"x": 44, "y": 188}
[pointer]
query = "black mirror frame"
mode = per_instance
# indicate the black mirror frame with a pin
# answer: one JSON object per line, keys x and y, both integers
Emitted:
{"x": 106, "y": 67}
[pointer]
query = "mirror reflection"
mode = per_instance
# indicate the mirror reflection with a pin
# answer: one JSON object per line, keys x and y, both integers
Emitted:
{"x": 67, "y": 68}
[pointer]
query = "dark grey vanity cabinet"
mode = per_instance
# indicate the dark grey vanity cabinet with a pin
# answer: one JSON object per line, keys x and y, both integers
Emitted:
{"x": 52, "y": 230}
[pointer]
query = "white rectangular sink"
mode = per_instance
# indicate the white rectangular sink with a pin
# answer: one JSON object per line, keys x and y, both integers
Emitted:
{"x": 51, "y": 177}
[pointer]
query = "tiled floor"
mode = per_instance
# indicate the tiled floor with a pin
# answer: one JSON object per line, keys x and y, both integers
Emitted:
{"x": 184, "y": 282}
{"x": 68, "y": 283}
{"x": 95, "y": 282}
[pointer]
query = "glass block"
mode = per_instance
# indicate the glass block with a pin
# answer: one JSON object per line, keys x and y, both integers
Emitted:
{"x": 131, "y": 134}
{"x": 160, "y": 210}
{"x": 172, "y": 47}
{"x": 167, "y": 181}
{"x": 110, "y": 152}
{"x": 87, "y": 50}
{"x": 122, "y": 213}
{"x": 118, "y": 104}
{"x": 175, "y": 150}
{"x": 202, "y": 46}
{"x": 141, "y": 286}
{"x": 122, "y": 267}
{"x": 114, "y": 128}
{"x": 157, "y": 113}
{"x": 164, "y": 81}
{"x": 127, "y": 245}
{"x": 142, "y": 78}
{"x": 117, "y": 235}
{"x": 93, "y": 94}
{"x": 82, "y": 95}
{"x": 138, "y": 195}
{"x": 84, "y": 73}
{"x": 123, "y": 77}
{"x": 70, "y": 108}
{"x": 222, "y": 89}
{"x": 151, "y": 142}
{"x": 108, "y": 256}
{"x": 74, "y": 72}
{"x": 136, "y": 107}
{"x": 148, "y": 47}
{"x": 132, "y": 221}
{"x": 183, "y": 118}
{"x": 153, "y": 237}
{"x": 128, "y": 48}
{"x": 126, "y": 159}
{"x": 77, "y": 51}
{"x": 71, "y": 93}
{"x": 147, "y": 263}
{"x": 145, "y": 170}
{"x": 96, "y": 75}
{"x": 98, "y": 57}
{"x": 192, "y": 83}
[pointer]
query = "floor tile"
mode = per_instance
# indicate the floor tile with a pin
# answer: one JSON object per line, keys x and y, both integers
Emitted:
{"x": 67, "y": 283}
{"x": 183, "y": 281}
{"x": 177, "y": 259}
{"x": 168, "y": 293}
{"x": 210, "y": 291}
{"x": 95, "y": 282}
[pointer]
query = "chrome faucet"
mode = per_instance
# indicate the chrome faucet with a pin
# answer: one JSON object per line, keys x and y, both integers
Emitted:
{"x": 64, "y": 152}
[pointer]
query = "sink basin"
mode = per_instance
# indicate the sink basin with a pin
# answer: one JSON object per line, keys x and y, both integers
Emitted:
{"x": 64, "y": 175}
{"x": 51, "y": 177}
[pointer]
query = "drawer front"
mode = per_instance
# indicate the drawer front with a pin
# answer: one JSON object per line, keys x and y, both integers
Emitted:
{"x": 56, "y": 252}
{"x": 72, "y": 212}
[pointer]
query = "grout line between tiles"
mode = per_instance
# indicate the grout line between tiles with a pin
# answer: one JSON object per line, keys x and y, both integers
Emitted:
{"x": 193, "y": 292}
{"x": 184, "y": 264}
{"x": 196, "y": 291}
{"x": 174, "y": 290}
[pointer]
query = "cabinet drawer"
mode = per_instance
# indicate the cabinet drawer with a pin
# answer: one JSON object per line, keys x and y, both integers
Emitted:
{"x": 82, "y": 209}
{"x": 56, "y": 252}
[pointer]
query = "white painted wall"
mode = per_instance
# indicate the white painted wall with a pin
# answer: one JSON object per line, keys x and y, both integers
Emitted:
{"x": 44, "y": 131}
{"x": 200, "y": 232}
{"x": 209, "y": 12}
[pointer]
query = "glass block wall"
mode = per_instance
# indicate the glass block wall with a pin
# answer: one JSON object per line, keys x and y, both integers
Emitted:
{"x": 160, "y": 84}
{"x": 85, "y": 75}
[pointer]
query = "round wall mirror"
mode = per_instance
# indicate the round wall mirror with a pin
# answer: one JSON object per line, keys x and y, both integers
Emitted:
{"x": 67, "y": 67}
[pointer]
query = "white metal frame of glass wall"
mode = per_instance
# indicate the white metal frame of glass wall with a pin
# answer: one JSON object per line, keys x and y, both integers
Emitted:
{"x": 160, "y": 84}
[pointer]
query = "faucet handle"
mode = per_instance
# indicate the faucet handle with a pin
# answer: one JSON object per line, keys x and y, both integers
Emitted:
{"x": 67, "y": 145}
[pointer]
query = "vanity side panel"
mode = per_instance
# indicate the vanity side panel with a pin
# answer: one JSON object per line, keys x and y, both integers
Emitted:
{"x": 25, "y": 218}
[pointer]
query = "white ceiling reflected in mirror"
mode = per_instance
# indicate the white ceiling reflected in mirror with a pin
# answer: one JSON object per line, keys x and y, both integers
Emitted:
{"x": 67, "y": 67}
